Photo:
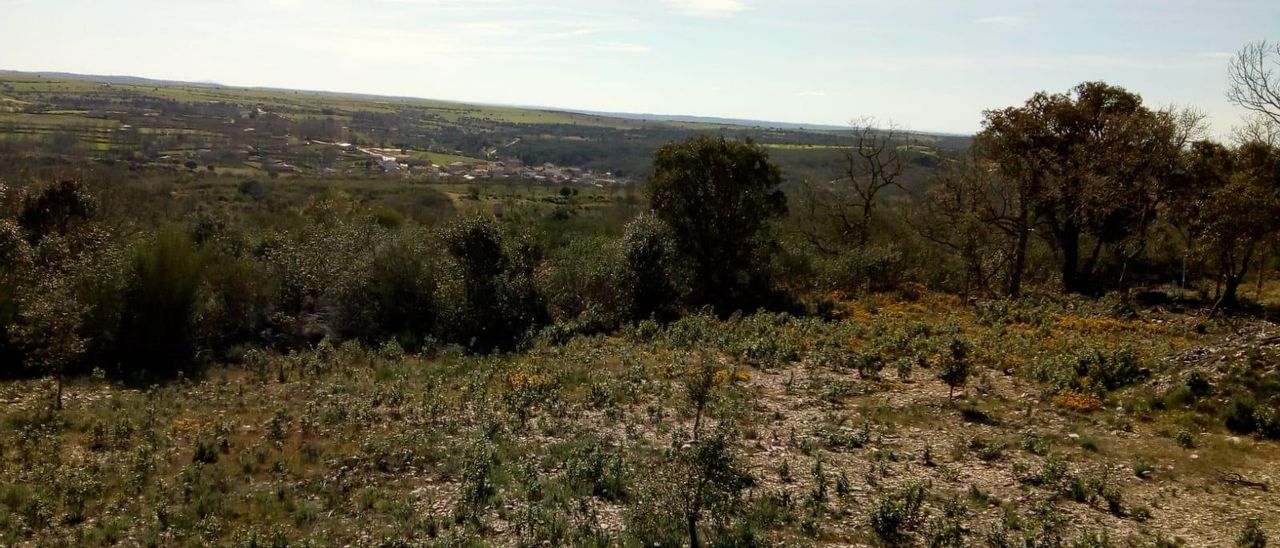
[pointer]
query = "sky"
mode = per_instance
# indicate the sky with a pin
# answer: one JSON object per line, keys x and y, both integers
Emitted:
{"x": 925, "y": 65}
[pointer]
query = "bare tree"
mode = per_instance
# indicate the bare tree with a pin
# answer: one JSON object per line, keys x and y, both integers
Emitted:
{"x": 1254, "y": 83}
{"x": 1257, "y": 129}
{"x": 872, "y": 165}
{"x": 845, "y": 206}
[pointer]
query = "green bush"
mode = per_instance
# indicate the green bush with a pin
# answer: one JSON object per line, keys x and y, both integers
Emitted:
{"x": 236, "y": 302}
{"x": 500, "y": 303}
{"x": 875, "y": 268}
{"x": 157, "y": 327}
{"x": 892, "y": 515}
{"x": 1252, "y": 535}
{"x": 1092, "y": 370}
{"x": 579, "y": 281}
{"x": 650, "y": 278}
{"x": 396, "y": 296}
{"x": 954, "y": 366}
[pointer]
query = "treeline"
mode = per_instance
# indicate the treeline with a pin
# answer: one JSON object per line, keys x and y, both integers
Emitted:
{"x": 78, "y": 295}
{"x": 1089, "y": 191}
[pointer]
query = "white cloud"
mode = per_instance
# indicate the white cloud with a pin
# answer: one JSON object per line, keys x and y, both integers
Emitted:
{"x": 812, "y": 94}
{"x": 1215, "y": 55}
{"x": 1005, "y": 21}
{"x": 708, "y": 8}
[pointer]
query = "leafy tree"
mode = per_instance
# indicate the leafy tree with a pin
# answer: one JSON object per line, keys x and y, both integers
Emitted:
{"x": 1230, "y": 203}
{"x": 954, "y": 369}
{"x": 650, "y": 269}
{"x": 718, "y": 197}
{"x": 1090, "y": 168}
{"x": 157, "y": 329}
{"x": 500, "y": 302}
{"x": 55, "y": 208}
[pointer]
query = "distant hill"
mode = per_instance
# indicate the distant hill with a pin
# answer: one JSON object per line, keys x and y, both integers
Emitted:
{"x": 674, "y": 118}
{"x": 109, "y": 79}
{"x": 713, "y": 121}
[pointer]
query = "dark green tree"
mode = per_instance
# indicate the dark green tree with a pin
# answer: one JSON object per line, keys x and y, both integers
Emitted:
{"x": 500, "y": 302}
{"x": 157, "y": 333}
{"x": 650, "y": 273}
{"x": 1229, "y": 202}
{"x": 1091, "y": 166}
{"x": 718, "y": 197}
{"x": 55, "y": 208}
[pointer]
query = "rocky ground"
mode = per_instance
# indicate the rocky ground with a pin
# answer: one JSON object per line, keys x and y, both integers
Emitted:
{"x": 836, "y": 433}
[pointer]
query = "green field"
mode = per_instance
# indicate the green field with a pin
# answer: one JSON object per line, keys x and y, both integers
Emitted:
{"x": 141, "y": 122}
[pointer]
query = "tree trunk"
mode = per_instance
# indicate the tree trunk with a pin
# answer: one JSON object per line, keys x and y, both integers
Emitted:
{"x": 693, "y": 530}
{"x": 1229, "y": 298}
{"x": 1019, "y": 254}
{"x": 1070, "y": 240}
{"x": 1233, "y": 280}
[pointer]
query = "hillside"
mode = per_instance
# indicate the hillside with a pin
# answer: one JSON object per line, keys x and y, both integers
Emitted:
{"x": 577, "y": 443}
{"x": 255, "y": 131}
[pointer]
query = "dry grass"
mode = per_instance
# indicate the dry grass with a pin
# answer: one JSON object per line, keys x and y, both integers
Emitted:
{"x": 566, "y": 444}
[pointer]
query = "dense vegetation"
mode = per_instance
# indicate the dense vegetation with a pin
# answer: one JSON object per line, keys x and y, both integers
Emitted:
{"x": 385, "y": 361}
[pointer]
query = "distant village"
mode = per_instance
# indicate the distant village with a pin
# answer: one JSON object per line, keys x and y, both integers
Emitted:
{"x": 404, "y": 163}
{"x": 508, "y": 169}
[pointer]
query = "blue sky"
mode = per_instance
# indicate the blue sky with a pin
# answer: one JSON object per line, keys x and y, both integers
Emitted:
{"x": 924, "y": 64}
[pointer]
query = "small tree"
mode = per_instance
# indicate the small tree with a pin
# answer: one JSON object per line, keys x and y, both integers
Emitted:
{"x": 649, "y": 269}
{"x": 1252, "y": 536}
{"x": 501, "y": 302}
{"x": 714, "y": 478}
{"x": 841, "y": 211}
{"x": 158, "y": 321}
{"x": 1254, "y": 82}
{"x": 718, "y": 197}
{"x": 954, "y": 369}
{"x": 49, "y": 328}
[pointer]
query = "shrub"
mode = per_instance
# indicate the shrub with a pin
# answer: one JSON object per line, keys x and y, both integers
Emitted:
{"x": 316, "y": 270}
{"x": 500, "y": 303}
{"x": 396, "y": 296}
{"x": 1092, "y": 371}
{"x": 1185, "y": 439}
{"x": 891, "y": 515}
{"x": 235, "y": 302}
{"x": 1239, "y": 415}
{"x": 874, "y": 268}
{"x": 649, "y": 279}
{"x": 581, "y": 287}
{"x": 594, "y": 471}
{"x": 1252, "y": 535}
{"x": 947, "y": 530}
{"x": 953, "y": 368}
{"x": 157, "y": 329}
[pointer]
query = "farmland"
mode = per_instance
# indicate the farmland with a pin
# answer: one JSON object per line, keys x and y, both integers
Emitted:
{"x": 254, "y": 131}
